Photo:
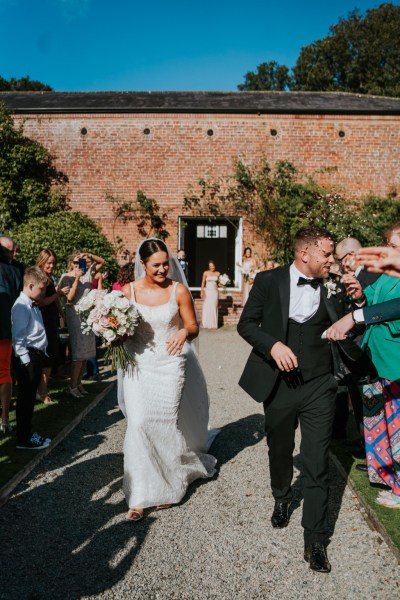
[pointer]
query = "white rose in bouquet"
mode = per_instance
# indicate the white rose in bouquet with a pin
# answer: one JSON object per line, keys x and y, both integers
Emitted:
{"x": 110, "y": 316}
{"x": 109, "y": 335}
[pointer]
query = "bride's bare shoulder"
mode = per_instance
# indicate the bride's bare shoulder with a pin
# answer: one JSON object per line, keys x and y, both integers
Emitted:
{"x": 181, "y": 290}
{"x": 126, "y": 290}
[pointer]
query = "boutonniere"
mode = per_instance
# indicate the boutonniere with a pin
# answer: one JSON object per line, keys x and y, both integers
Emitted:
{"x": 331, "y": 287}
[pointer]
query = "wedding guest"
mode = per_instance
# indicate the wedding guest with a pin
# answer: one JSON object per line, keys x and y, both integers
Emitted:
{"x": 125, "y": 275}
{"x": 165, "y": 399}
{"x": 29, "y": 342}
{"x": 354, "y": 275}
{"x": 183, "y": 262}
{"x": 294, "y": 379}
{"x": 382, "y": 401}
{"x": 248, "y": 268}
{"x": 209, "y": 291}
{"x": 10, "y": 286}
{"x": 83, "y": 346}
{"x": 261, "y": 266}
{"x": 51, "y": 309}
{"x": 12, "y": 251}
{"x": 345, "y": 255}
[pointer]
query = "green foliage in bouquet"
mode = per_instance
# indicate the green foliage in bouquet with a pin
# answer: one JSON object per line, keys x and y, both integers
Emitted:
{"x": 63, "y": 233}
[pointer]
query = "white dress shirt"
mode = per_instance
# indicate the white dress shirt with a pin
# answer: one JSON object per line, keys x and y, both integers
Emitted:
{"x": 358, "y": 315}
{"x": 27, "y": 328}
{"x": 304, "y": 299}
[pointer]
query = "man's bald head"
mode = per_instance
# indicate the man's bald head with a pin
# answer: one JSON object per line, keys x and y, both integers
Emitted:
{"x": 7, "y": 243}
{"x": 346, "y": 246}
{"x": 7, "y": 247}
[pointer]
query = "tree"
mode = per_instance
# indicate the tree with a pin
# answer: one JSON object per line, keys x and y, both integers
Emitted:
{"x": 30, "y": 184}
{"x": 25, "y": 84}
{"x": 360, "y": 54}
{"x": 63, "y": 232}
{"x": 269, "y": 76}
{"x": 143, "y": 211}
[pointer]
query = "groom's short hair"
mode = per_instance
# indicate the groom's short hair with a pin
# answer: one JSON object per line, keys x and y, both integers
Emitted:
{"x": 307, "y": 236}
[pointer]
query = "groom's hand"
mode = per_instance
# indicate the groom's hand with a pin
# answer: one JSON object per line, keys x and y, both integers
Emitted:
{"x": 284, "y": 357}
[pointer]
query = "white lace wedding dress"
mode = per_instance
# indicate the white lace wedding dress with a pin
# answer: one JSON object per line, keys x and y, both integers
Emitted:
{"x": 166, "y": 404}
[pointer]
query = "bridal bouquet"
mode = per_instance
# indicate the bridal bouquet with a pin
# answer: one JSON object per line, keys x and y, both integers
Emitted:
{"x": 111, "y": 317}
{"x": 224, "y": 281}
{"x": 248, "y": 274}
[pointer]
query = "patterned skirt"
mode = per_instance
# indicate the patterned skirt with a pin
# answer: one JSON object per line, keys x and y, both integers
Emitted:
{"x": 382, "y": 432}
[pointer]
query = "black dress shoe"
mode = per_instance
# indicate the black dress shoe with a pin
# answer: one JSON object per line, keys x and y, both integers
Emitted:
{"x": 362, "y": 467}
{"x": 315, "y": 554}
{"x": 358, "y": 452}
{"x": 280, "y": 516}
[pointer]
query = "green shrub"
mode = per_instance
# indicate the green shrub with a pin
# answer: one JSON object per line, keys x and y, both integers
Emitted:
{"x": 374, "y": 217}
{"x": 63, "y": 232}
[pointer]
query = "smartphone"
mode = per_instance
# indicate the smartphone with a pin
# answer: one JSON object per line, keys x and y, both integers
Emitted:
{"x": 82, "y": 264}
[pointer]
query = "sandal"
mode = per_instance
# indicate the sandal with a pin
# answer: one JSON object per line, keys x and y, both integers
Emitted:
{"x": 163, "y": 506}
{"x": 135, "y": 514}
{"x": 48, "y": 400}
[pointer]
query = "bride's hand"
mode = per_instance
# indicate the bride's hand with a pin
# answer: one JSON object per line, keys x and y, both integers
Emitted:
{"x": 175, "y": 343}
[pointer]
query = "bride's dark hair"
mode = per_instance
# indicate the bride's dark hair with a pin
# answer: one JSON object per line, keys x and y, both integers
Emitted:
{"x": 149, "y": 247}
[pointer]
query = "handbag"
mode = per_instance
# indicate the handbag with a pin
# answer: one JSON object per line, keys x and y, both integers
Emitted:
{"x": 353, "y": 363}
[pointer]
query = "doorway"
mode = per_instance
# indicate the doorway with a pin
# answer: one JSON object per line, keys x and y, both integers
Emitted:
{"x": 205, "y": 238}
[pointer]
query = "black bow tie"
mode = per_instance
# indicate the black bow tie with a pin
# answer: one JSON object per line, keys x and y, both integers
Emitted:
{"x": 313, "y": 282}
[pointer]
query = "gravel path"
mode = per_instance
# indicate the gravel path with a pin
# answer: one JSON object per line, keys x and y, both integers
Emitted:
{"x": 64, "y": 533}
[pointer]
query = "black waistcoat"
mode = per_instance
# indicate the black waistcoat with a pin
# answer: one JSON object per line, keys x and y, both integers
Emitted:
{"x": 304, "y": 339}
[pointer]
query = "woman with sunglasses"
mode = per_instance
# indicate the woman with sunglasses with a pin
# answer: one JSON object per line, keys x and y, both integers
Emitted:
{"x": 83, "y": 346}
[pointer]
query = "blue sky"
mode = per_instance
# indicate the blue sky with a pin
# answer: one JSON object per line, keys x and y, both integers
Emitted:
{"x": 104, "y": 45}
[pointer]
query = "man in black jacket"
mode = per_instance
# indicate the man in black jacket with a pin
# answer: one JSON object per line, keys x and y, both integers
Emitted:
{"x": 10, "y": 287}
{"x": 290, "y": 370}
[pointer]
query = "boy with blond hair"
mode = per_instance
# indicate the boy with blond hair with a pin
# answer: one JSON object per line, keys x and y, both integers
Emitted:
{"x": 29, "y": 342}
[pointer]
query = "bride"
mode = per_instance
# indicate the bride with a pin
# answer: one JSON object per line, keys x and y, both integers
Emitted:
{"x": 165, "y": 398}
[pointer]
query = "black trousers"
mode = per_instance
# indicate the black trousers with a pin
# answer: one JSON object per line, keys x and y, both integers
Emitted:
{"x": 312, "y": 404}
{"x": 28, "y": 379}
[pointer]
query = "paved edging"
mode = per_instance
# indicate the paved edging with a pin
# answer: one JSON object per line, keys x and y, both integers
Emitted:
{"x": 10, "y": 486}
{"x": 368, "y": 513}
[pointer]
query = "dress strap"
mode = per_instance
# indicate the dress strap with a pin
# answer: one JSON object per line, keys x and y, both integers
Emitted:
{"x": 133, "y": 299}
{"x": 173, "y": 291}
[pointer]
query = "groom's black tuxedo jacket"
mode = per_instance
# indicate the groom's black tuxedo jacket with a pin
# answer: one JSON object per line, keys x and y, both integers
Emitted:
{"x": 264, "y": 321}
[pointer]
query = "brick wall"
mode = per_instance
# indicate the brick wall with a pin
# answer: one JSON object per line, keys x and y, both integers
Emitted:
{"x": 116, "y": 156}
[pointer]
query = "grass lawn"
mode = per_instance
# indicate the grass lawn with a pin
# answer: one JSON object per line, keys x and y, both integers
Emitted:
{"x": 48, "y": 420}
{"x": 389, "y": 517}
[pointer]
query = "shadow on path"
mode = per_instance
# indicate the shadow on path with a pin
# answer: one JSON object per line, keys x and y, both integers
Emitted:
{"x": 233, "y": 438}
{"x": 68, "y": 537}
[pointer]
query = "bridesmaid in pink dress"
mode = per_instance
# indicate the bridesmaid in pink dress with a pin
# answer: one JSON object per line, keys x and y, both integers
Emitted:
{"x": 209, "y": 291}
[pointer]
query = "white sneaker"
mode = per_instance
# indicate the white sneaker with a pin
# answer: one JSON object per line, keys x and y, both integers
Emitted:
{"x": 74, "y": 392}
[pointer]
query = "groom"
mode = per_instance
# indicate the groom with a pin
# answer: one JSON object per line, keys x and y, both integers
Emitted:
{"x": 290, "y": 371}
